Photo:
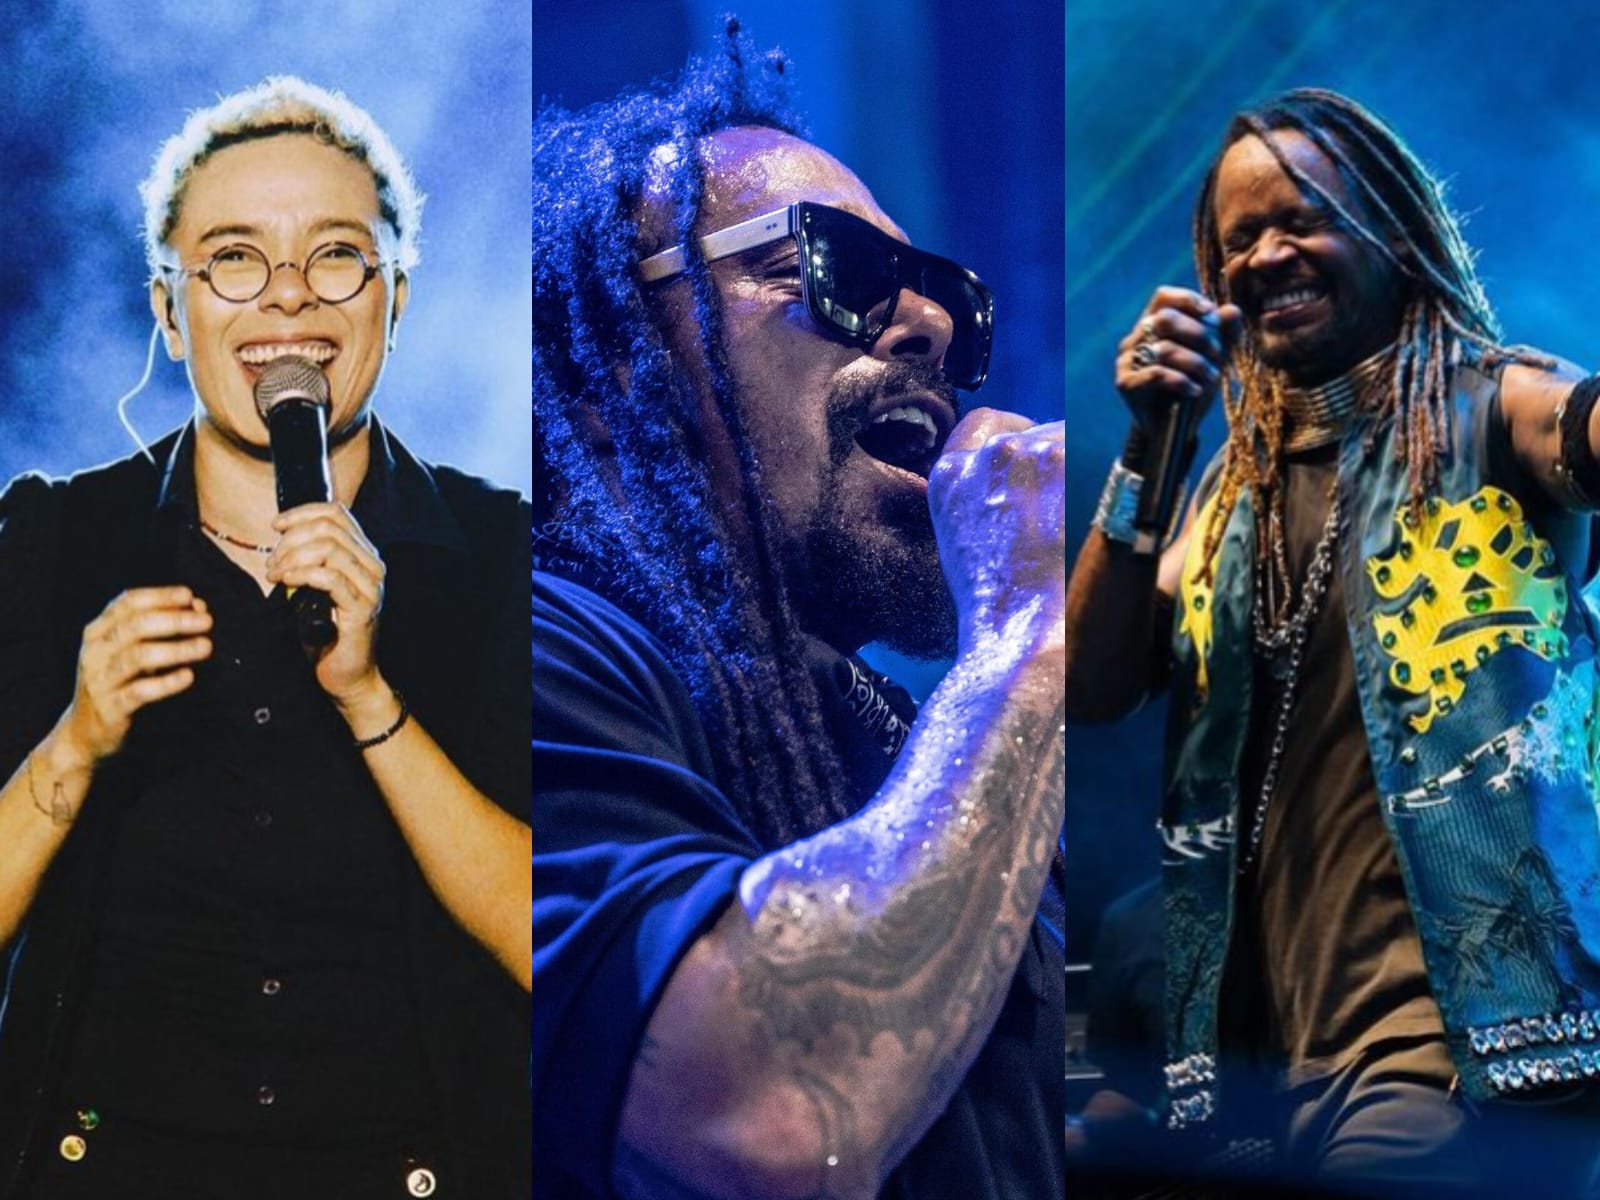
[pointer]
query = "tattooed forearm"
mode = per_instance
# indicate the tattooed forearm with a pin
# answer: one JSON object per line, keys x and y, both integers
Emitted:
{"x": 60, "y": 809}
{"x": 39, "y": 805}
{"x": 860, "y": 936}
{"x": 850, "y": 938}
{"x": 825, "y": 1022}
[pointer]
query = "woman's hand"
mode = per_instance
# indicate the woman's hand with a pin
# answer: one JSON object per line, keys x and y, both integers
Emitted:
{"x": 139, "y": 650}
{"x": 322, "y": 547}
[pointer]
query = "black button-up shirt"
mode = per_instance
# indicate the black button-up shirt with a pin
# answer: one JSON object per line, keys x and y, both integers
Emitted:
{"x": 249, "y": 975}
{"x": 235, "y": 898}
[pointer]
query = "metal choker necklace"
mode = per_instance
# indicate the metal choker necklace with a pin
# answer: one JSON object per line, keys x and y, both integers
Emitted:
{"x": 1316, "y": 416}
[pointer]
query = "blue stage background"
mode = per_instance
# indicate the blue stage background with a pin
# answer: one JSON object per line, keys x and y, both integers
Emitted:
{"x": 1499, "y": 98}
{"x": 90, "y": 91}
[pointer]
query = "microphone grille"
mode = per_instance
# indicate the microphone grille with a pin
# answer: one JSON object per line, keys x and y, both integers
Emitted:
{"x": 290, "y": 378}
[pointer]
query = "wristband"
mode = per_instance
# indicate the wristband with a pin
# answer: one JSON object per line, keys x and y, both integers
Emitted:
{"x": 1119, "y": 502}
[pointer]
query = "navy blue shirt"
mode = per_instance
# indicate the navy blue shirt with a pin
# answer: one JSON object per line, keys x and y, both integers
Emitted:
{"x": 637, "y": 853}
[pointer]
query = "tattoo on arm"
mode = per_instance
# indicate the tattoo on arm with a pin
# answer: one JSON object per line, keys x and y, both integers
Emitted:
{"x": 932, "y": 962}
{"x": 863, "y": 967}
{"x": 61, "y": 810}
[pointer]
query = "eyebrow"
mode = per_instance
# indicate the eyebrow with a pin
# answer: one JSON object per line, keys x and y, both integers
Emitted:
{"x": 322, "y": 226}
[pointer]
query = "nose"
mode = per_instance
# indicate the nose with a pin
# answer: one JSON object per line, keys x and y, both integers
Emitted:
{"x": 920, "y": 329}
{"x": 1271, "y": 249}
{"x": 287, "y": 289}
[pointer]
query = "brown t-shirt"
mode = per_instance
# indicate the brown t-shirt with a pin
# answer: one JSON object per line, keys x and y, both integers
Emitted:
{"x": 1326, "y": 957}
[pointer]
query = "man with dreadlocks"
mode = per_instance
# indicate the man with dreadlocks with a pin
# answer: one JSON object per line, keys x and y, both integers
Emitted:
{"x": 1379, "y": 812}
{"x": 785, "y": 934}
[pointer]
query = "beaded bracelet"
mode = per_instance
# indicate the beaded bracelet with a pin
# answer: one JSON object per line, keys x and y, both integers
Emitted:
{"x": 379, "y": 739}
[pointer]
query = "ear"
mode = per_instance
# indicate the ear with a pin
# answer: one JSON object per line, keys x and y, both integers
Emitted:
{"x": 164, "y": 309}
{"x": 397, "y": 306}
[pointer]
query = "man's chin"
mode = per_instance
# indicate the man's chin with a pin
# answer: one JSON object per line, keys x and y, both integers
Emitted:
{"x": 929, "y": 640}
{"x": 1305, "y": 358}
{"x": 854, "y": 590}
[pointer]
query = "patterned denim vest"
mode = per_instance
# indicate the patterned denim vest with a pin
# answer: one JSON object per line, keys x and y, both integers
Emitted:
{"x": 1475, "y": 668}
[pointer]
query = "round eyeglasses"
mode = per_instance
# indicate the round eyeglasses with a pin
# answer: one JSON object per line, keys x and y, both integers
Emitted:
{"x": 239, "y": 273}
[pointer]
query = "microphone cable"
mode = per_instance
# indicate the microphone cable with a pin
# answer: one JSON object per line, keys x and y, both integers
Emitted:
{"x": 122, "y": 401}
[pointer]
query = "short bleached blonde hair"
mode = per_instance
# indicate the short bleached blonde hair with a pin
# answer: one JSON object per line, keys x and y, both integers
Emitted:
{"x": 280, "y": 104}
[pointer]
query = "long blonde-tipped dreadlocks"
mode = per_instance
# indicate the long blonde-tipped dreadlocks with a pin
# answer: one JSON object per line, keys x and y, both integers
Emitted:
{"x": 1447, "y": 318}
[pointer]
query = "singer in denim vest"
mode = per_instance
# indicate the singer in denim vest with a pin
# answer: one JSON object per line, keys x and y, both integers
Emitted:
{"x": 1380, "y": 843}
{"x": 1475, "y": 664}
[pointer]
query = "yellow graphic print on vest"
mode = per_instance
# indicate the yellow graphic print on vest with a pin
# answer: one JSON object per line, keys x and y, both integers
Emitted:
{"x": 1195, "y": 597}
{"x": 1477, "y": 580}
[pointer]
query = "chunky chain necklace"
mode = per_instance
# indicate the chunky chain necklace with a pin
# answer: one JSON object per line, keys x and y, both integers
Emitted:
{"x": 1283, "y": 643}
{"x": 1312, "y": 417}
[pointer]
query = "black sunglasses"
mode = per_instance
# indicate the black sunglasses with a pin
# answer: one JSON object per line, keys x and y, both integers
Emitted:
{"x": 851, "y": 274}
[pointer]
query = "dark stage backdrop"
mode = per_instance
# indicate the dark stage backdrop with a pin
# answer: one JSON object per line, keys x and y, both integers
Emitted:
{"x": 1499, "y": 98}
{"x": 88, "y": 91}
{"x": 950, "y": 114}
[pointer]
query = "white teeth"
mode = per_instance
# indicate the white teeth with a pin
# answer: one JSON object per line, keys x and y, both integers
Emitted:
{"x": 1286, "y": 299}
{"x": 914, "y": 416}
{"x": 264, "y": 352}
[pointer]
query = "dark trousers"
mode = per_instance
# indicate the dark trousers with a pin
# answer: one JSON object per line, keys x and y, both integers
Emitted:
{"x": 1389, "y": 1124}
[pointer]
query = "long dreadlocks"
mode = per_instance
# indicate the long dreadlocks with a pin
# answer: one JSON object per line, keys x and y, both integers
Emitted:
{"x": 1447, "y": 318}
{"x": 641, "y": 499}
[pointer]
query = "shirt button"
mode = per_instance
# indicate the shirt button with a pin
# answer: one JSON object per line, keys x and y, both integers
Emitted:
{"x": 263, "y": 819}
{"x": 262, "y": 715}
{"x": 421, "y": 1182}
{"x": 271, "y": 987}
{"x": 73, "y": 1148}
{"x": 265, "y": 1095}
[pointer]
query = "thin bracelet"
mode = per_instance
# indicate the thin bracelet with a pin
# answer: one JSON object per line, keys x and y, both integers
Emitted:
{"x": 33, "y": 792}
{"x": 405, "y": 715}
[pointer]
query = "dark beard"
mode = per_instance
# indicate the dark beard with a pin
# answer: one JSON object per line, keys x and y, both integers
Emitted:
{"x": 1309, "y": 360}
{"x": 863, "y": 589}
{"x": 861, "y": 593}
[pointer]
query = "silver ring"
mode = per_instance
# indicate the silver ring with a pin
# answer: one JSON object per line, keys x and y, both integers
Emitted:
{"x": 1147, "y": 329}
{"x": 1145, "y": 355}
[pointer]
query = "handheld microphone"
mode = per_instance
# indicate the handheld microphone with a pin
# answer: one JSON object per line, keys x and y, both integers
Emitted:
{"x": 292, "y": 397}
{"x": 1170, "y": 451}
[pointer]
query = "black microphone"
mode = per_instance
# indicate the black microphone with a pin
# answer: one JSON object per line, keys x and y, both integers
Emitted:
{"x": 1165, "y": 465}
{"x": 292, "y": 398}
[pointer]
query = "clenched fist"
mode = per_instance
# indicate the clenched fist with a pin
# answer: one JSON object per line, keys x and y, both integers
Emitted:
{"x": 998, "y": 496}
